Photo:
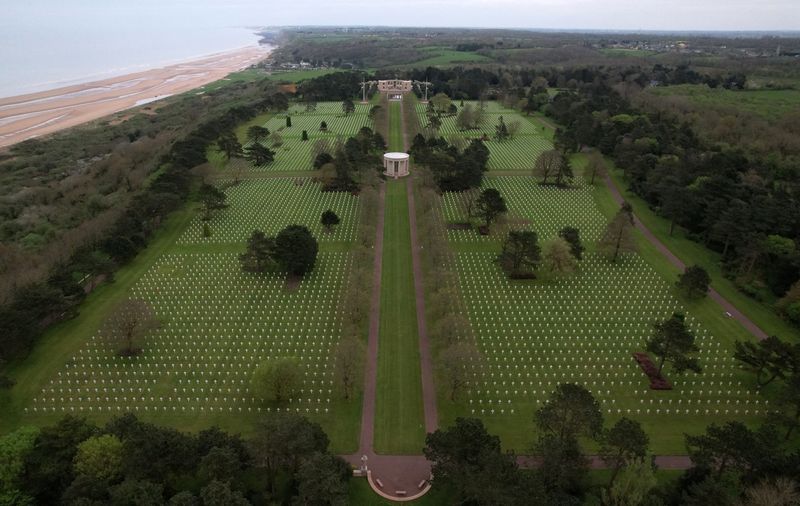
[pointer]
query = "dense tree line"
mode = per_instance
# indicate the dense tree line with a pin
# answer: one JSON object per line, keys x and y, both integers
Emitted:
{"x": 347, "y": 166}
{"x": 335, "y": 87}
{"x": 733, "y": 465}
{"x": 128, "y": 461}
{"x": 734, "y": 199}
{"x": 31, "y": 307}
{"x": 453, "y": 170}
{"x": 743, "y": 206}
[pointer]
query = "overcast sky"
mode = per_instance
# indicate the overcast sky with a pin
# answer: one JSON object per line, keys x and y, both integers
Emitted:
{"x": 580, "y": 14}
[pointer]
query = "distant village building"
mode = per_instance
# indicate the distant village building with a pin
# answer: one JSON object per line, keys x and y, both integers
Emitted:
{"x": 394, "y": 88}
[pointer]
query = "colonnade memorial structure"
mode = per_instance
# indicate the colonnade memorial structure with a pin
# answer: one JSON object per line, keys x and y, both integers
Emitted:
{"x": 394, "y": 89}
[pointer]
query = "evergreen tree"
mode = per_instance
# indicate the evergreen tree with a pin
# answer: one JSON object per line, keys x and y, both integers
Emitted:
{"x": 490, "y": 205}
{"x": 521, "y": 254}
{"x": 673, "y": 342}
{"x": 573, "y": 237}
{"x": 329, "y": 219}
{"x": 694, "y": 282}
{"x": 259, "y": 155}
{"x": 348, "y": 107}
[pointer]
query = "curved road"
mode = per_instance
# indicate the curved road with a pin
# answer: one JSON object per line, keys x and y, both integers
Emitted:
{"x": 674, "y": 260}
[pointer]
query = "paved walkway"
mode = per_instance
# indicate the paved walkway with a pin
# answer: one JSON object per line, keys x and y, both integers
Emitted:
{"x": 426, "y": 365}
{"x": 674, "y": 260}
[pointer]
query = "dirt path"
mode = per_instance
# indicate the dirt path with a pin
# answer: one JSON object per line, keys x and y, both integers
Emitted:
{"x": 371, "y": 366}
{"x": 426, "y": 365}
{"x": 729, "y": 308}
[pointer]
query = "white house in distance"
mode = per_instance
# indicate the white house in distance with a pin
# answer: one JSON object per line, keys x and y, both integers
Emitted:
{"x": 395, "y": 164}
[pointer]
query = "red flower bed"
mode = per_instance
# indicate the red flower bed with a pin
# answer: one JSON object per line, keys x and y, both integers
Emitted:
{"x": 657, "y": 381}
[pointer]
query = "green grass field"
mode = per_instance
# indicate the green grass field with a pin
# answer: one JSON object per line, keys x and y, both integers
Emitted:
{"x": 770, "y": 104}
{"x": 537, "y": 334}
{"x": 399, "y": 417}
{"x": 395, "y": 127}
{"x": 218, "y": 323}
{"x": 291, "y": 152}
{"x": 692, "y": 252}
{"x": 518, "y": 153}
{"x": 280, "y": 76}
{"x": 399, "y": 423}
{"x": 291, "y": 200}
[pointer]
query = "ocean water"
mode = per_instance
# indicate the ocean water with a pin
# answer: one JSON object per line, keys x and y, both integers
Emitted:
{"x": 37, "y": 55}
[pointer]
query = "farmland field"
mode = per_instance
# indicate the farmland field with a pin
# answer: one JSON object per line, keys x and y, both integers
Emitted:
{"x": 448, "y": 56}
{"x": 770, "y": 104}
{"x": 518, "y": 153}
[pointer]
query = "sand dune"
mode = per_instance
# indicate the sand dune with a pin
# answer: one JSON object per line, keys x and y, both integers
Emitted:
{"x": 36, "y": 114}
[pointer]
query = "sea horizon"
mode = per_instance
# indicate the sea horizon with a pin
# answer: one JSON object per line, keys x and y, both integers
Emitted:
{"x": 33, "y": 64}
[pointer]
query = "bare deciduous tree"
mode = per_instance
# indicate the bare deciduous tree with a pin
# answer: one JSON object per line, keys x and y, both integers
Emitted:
{"x": 547, "y": 165}
{"x": 596, "y": 167}
{"x": 348, "y": 365}
{"x": 618, "y": 237}
{"x": 129, "y": 324}
{"x": 457, "y": 362}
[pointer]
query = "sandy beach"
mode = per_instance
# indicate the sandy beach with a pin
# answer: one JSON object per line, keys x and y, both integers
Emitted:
{"x": 36, "y": 114}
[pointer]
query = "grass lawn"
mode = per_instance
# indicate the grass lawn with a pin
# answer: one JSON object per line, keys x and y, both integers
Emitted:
{"x": 64, "y": 339}
{"x": 399, "y": 421}
{"x": 691, "y": 253}
{"x": 518, "y": 153}
{"x": 361, "y": 494}
{"x": 280, "y": 76}
{"x": 243, "y": 76}
{"x": 241, "y": 130}
{"x": 536, "y": 334}
{"x": 217, "y": 324}
{"x": 395, "y": 127}
{"x": 295, "y": 76}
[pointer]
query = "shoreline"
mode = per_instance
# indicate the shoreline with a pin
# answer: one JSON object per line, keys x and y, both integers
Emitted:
{"x": 40, "y": 113}
{"x": 53, "y": 85}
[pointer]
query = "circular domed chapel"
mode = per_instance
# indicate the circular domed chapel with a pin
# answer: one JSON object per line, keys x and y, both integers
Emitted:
{"x": 395, "y": 164}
